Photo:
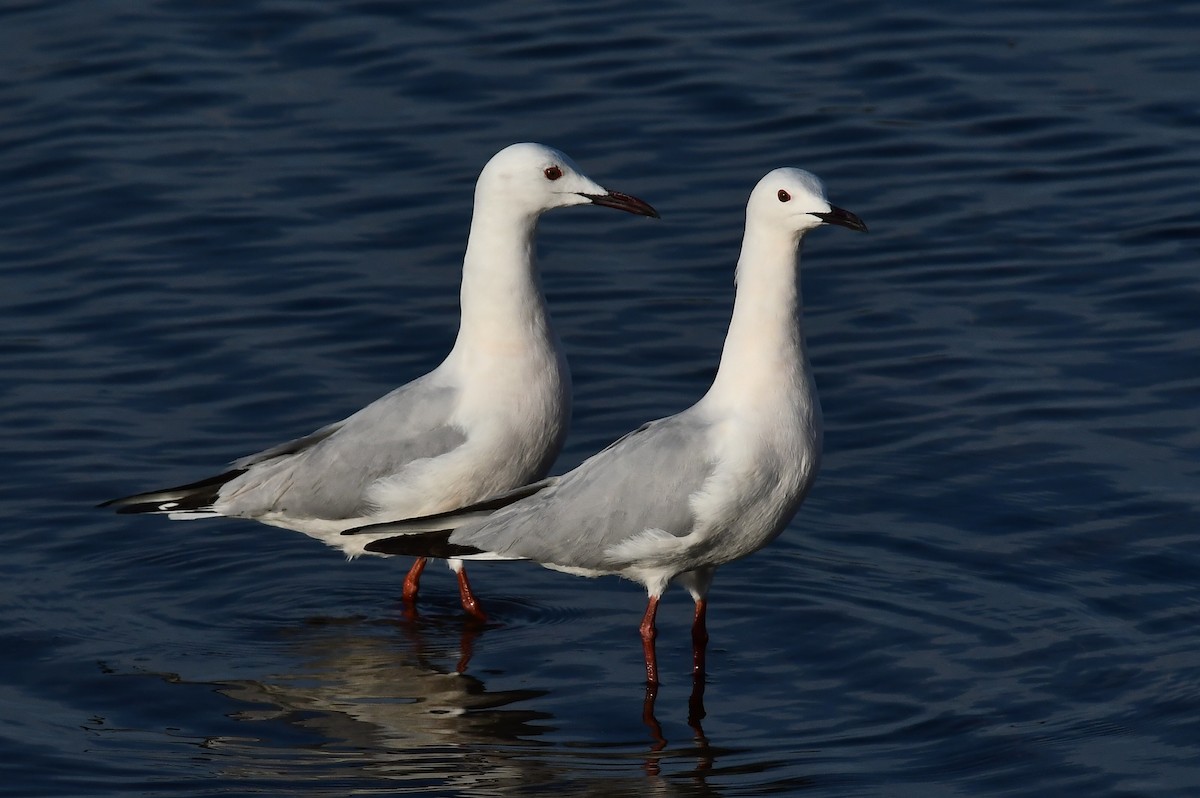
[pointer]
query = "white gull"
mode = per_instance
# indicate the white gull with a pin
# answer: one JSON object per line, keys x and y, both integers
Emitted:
{"x": 491, "y": 417}
{"x": 685, "y": 494}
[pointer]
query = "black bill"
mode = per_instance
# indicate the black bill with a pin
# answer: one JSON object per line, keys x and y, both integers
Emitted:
{"x": 623, "y": 202}
{"x": 842, "y": 218}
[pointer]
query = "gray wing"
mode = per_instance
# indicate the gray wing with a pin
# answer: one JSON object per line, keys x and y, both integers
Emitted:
{"x": 643, "y": 481}
{"x": 453, "y": 519}
{"x": 325, "y": 475}
{"x": 290, "y": 447}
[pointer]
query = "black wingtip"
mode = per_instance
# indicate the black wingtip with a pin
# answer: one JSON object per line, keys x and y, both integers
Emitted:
{"x": 422, "y": 544}
{"x": 131, "y": 509}
{"x": 192, "y": 496}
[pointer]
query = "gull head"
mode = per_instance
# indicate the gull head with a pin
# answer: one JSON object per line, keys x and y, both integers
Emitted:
{"x": 794, "y": 200}
{"x": 533, "y": 178}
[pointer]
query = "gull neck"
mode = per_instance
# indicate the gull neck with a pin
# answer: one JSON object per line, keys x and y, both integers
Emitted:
{"x": 764, "y": 350}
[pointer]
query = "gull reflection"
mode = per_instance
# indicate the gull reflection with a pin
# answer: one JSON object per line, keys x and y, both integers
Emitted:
{"x": 392, "y": 702}
{"x": 696, "y": 713}
{"x": 364, "y": 685}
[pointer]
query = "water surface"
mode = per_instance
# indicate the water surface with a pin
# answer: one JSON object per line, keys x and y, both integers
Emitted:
{"x": 226, "y": 225}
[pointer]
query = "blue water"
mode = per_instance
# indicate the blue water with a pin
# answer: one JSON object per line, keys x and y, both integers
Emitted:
{"x": 225, "y": 224}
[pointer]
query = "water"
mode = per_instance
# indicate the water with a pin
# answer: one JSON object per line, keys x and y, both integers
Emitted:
{"x": 228, "y": 224}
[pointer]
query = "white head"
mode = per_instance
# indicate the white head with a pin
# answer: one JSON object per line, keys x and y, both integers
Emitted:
{"x": 532, "y": 178}
{"x": 793, "y": 200}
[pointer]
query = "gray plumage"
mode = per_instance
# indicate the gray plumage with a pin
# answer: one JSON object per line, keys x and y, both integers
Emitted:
{"x": 491, "y": 417}
{"x": 582, "y": 518}
{"x": 328, "y": 474}
{"x": 686, "y": 494}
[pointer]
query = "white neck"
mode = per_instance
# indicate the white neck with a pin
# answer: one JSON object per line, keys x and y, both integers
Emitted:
{"x": 501, "y": 295}
{"x": 764, "y": 351}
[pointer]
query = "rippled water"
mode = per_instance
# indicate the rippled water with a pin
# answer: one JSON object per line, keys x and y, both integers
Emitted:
{"x": 227, "y": 224}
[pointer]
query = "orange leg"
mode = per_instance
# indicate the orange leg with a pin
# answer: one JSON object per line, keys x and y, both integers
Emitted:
{"x": 648, "y": 634}
{"x": 469, "y": 602}
{"x": 413, "y": 580}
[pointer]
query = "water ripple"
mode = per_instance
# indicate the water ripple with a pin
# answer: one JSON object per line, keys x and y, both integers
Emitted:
{"x": 224, "y": 226}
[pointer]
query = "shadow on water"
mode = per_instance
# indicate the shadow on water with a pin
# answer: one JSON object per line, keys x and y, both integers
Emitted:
{"x": 372, "y": 701}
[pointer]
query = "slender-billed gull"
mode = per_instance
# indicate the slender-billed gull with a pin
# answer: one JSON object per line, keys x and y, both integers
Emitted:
{"x": 685, "y": 494}
{"x": 491, "y": 417}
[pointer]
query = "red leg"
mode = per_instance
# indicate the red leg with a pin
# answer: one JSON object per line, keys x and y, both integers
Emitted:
{"x": 413, "y": 580}
{"x": 699, "y": 646}
{"x": 654, "y": 726}
{"x": 648, "y": 634}
{"x": 469, "y": 602}
{"x": 699, "y": 639}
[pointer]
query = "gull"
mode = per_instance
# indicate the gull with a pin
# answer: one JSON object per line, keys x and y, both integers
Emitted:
{"x": 491, "y": 417}
{"x": 680, "y": 496}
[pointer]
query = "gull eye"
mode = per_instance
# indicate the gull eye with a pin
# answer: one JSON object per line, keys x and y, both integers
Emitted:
{"x": 552, "y": 173}
{"x": 784, "y": 196}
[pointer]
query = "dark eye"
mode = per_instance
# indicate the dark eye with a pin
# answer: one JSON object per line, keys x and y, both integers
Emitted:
{"x": 784, "y": 196}
{"x": 553, "y": 173}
